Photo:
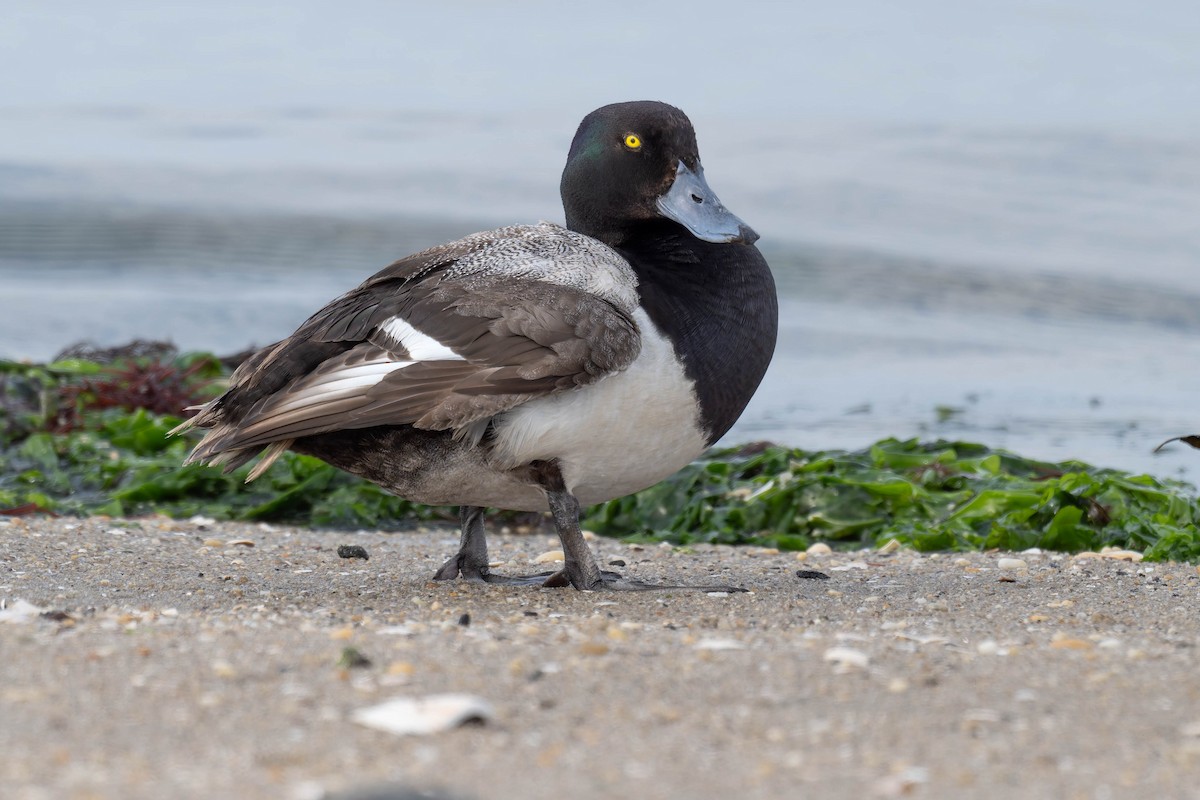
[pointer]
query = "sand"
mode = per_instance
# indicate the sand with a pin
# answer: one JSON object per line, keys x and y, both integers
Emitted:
{"x": 160, "y": 658}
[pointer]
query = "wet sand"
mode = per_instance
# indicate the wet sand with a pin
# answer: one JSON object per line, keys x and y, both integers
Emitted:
{"x": 162, "y": 658}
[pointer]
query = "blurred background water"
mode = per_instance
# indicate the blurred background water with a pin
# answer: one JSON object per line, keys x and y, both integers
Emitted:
{"x": 983, "y": 216}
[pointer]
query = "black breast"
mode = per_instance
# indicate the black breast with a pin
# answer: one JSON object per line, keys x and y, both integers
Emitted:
{"x": 717, "y": 304}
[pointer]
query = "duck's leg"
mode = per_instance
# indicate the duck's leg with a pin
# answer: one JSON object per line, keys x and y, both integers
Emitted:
{"x": 580, "y": 569}
{"x": 471, "y": 560}
{"x": 579, "y": 565}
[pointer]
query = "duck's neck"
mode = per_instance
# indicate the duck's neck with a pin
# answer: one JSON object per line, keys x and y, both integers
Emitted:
{"x": 717, "y": 304}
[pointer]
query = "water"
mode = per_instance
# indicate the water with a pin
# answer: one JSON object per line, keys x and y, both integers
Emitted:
{"x": 987, "y": 209}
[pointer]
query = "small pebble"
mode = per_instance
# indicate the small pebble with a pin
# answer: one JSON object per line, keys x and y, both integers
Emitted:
{"x": 1114, "y": 553}
{"x": 1012, "y": 564}
{"x": 549, "y": 556}
{"x": 891, "y": 547}
{"x": 240, "y": 543}
{"x": 464, "y": 620}
{"x": 616, "y": 562}
{"x": 1120, "y": 555}
{"x": 902, "y": 784}
{"x": 819, "y": 549}
{"x": 223, "y": 669}
{"x": 1071, "y": 644}
{"x": 719, "y": 644}
{"x": 593, "y": 648}
{"x": 352, "y": 658}
{"x": 987, "y": 715}
{"x": 811, "y": 574}
{"x": 847, "y": 658}
{"x": 353, "y": 551}
{"x": 987, "y": 647}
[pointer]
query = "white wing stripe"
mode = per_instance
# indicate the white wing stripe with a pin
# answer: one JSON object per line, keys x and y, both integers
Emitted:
{"x": 356, "y": 380}
{"x": 420, "y": 346}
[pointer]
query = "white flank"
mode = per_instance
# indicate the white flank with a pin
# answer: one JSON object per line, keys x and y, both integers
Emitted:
{"x": 617, "y": 436}
{"x": 420, "y": 346}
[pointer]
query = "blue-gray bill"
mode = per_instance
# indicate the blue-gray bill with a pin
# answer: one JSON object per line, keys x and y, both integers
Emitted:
{"x": 696, "y": 207}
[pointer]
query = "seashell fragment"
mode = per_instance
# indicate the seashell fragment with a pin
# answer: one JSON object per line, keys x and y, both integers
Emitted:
{"x": 421, "y": 716}
{"x": 846, "y": 659}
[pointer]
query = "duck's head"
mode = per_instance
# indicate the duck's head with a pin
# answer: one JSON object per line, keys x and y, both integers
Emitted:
{"x": 633, "y": 163}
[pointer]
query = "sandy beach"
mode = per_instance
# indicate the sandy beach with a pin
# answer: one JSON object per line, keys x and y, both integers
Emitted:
{"x": 160, "y": 658}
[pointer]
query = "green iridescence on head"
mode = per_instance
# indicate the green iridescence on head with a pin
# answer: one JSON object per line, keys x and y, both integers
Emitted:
{"x": 594, "y": 146}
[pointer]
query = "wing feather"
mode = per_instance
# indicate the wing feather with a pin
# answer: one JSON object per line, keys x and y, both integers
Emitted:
{"x": 443, "y": 340}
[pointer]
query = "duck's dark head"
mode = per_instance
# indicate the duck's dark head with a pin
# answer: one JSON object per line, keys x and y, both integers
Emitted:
{"x": 633, "y": 163}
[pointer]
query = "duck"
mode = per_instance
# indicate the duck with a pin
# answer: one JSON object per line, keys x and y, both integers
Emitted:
{"x": 534, "y": 367}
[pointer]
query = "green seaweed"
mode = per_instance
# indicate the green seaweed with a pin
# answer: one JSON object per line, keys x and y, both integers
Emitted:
{"x": 932, "y": 496}
{"x": 115, "y": 458}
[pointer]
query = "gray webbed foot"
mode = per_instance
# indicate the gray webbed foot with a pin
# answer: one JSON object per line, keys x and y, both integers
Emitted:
{"x": 471, "y": 560}
{"x": 580, "y": 569}
{"x": 459, "y": 565}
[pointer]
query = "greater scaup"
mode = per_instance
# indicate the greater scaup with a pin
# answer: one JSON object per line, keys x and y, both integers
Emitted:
{"x": 531, "y": 367}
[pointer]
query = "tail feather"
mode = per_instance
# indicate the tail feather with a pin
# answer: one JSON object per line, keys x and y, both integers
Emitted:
{"x": 203, "y": 418}
{"x": 219, "y": 447}
{"x": 270, "y": 455}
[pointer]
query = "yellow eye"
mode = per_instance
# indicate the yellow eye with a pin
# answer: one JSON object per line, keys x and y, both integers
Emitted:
{"x": 633, "y": 141}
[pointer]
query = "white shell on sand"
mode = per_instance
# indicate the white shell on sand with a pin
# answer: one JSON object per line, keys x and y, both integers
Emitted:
{"x": 719, "y": 644}
{"x": 19, "y": 611}
{"x": 420, "y": 716}
{"x": 1114, "y": 553}
{"x": 847, "y": 658}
